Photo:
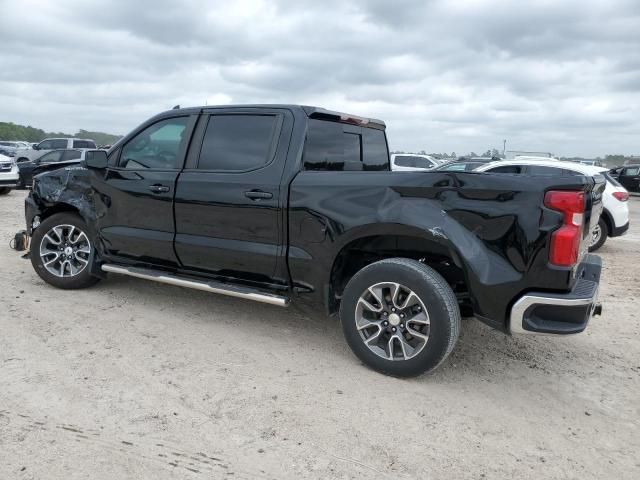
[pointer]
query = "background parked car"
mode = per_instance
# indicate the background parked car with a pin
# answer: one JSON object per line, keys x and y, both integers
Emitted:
{"x": 614, "y": 220}
{"x": 458, "y": 166}
{"x": 629, "y": 177}
{"x": 412, "y": 162}
{"x": 53, "y": 159}
{"x": 8, "y": 174}
{"x": 49, "y": 144}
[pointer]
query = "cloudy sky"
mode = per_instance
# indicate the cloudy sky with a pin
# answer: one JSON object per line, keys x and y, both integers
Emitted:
{"x": 556, "y": 75}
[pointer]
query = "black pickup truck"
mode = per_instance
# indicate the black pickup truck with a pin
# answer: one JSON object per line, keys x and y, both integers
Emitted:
{"x": 282, "y": 203}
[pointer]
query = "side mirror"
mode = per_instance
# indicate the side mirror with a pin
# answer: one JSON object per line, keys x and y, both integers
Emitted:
{"x": 96, "y": 159}
{"x": 36, "y": 147}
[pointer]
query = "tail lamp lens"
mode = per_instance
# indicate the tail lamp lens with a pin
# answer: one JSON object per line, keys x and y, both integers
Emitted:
{"x": 622, "y": 196}
{"x": 565, "y": 242}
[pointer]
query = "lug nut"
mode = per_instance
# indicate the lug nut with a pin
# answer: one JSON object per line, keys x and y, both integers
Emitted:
{"x": 393, "y": 329}
{"x": 385, "y": 323}
{"x": 386, "y": 314}
{"x": 402, "y": 325}
{"x": 402, "y": 315}
{"x": 393, "y": 309}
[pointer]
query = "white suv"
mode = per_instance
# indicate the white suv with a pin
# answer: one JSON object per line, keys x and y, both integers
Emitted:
{"x": 614, "y": 220}
{"x": 8, "y": 174}
{"x": 45, "y": 146}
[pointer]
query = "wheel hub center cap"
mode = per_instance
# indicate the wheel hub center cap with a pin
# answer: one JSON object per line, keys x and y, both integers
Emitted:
{"x": 394, "y": 319}
{"x": 68, "y": 251}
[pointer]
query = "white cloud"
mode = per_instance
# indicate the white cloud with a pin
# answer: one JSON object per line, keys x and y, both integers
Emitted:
{"x": 445, "y": 75}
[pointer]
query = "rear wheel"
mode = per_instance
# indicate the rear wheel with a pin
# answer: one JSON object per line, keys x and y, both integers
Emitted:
{"x": 400, "y": 317}
{"x": 599, "y": 235}
{"x": 4, "y": 190}
{"x": 62, "y": 252}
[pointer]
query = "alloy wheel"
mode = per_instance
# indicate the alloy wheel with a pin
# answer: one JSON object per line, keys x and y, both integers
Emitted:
{"x": 65, "y": 251}
{"x": 392, "y": 321}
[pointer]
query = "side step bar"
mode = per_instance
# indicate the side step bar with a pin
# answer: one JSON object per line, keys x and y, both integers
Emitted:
{"x": 211, "y": 286}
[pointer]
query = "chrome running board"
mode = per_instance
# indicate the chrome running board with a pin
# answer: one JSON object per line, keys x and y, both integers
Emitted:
{"x": 207, "y": 286}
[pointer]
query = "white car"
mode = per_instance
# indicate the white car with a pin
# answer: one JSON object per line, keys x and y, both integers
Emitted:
{"x": 9, "y": 176}
{"x": 614, "y": 220}
{"x": 412, "y": 162}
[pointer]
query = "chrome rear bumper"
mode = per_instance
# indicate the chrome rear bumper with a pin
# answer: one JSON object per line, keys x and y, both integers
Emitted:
{"x": 560, "y": 313}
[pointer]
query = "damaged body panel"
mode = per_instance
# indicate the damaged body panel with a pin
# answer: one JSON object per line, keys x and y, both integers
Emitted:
{"x": 62, "y": 189}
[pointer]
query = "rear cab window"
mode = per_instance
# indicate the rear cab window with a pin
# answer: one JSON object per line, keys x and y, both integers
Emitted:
{"x": 333, "y": 146}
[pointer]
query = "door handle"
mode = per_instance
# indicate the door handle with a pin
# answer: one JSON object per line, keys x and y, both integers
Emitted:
{"x": 258, "y": 195}
{"x": 159, "y": 188}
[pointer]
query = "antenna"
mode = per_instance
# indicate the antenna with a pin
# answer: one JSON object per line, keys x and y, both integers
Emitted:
{"x": 176, "y": 107}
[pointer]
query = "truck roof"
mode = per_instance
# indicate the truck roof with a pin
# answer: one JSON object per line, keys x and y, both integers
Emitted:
{"x": 309, "y": 111}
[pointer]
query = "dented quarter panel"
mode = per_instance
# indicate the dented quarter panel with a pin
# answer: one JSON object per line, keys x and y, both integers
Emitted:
{"x": 494, "y": 228}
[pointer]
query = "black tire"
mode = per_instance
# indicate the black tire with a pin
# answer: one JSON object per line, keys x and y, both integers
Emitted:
{"x": 440, "y": 305}
{"x": 22, "y": 159}
{"x": 604, "y": 233}
{"x": 4, "y": 190}
{"x": 81, "y": 280}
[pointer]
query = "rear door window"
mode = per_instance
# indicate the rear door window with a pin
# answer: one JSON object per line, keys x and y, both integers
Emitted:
{"x": 630, "y": 172}
{"x": 238, "y": 143}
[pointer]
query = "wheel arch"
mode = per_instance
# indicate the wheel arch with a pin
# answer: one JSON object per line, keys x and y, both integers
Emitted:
{"x": 369, "y": 248}
{"x": 608, "y": 219}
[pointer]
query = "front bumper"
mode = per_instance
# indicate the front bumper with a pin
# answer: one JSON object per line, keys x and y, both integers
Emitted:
{"x": 560, "y": 313}
{"x": 10, "y": 178}
{"x": 5, "y": 182}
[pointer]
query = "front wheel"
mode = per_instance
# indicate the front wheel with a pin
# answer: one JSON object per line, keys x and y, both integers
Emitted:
{"x": 4, "y": 190}
{"x": 599, "y": 235}
{"x": 62, "y": 252}
{"x": 400, "y": 317}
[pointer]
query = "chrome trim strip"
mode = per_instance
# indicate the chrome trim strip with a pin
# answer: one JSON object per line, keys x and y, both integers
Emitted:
{"x": 520, "y": 307}
{"x": 197, "y": 285}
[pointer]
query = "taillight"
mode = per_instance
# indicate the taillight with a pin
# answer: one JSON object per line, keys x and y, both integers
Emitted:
{"x": 622, "y": 196}
{"x": 565, "y": 242}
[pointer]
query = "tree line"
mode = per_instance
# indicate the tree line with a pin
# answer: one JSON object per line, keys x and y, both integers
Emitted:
{"x": 12, "y": 131}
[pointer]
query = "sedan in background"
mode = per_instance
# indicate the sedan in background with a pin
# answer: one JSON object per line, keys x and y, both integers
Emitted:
{"x": 614, "y": 220}
{"x": 53, "y": 159}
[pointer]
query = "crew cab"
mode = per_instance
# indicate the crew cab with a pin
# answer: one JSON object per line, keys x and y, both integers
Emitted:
{"x": 289, "y": 203}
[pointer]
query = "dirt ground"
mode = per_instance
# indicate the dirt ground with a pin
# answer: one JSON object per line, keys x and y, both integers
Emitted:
{"x": 132, "y": 379}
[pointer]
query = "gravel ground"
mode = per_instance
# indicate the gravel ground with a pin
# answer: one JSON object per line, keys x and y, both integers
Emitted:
{"x": 132, "y": 379}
